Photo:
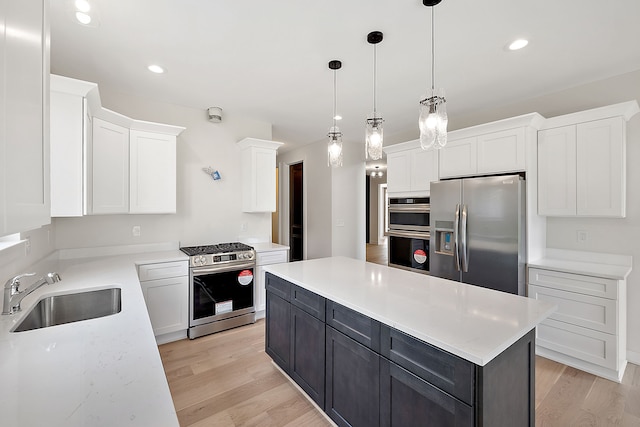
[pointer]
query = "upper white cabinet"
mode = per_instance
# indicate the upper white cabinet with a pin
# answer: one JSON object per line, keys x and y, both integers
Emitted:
{"x": 109, "y": 168}
{"x": 582, "y": 163}
{"x": 410, "y": 169}
{"x": 110, "y": 163}
{"x": 491, "y": 148}
{"x": 24, "y": 115}
{"x": 258, "y": 168}
{"x": 70, "y": 136}
{"x": 152, "y": 158}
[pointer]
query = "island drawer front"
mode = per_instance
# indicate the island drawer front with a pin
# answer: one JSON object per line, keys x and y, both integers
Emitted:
{"x": 359, "y": 327}
{"x": 308, "y": 301}
{"x": 278, "y": 286}
{"x": 163, "y": 270}
{"x": 585, "y": 344}
{"x": 275, "y": 257}
{"x": 588, "y": 285}
{"x": 578, "y": 309}
{"x": 409, "y": 401}
{"x": 446, "y": 371}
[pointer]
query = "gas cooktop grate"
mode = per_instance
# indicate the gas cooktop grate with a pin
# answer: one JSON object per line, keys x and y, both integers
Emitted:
{"x": 220, "y": 248}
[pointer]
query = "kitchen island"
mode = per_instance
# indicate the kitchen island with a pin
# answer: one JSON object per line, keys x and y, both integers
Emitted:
{"x": 105, "y": 371}
{"x": 373, "y": 345}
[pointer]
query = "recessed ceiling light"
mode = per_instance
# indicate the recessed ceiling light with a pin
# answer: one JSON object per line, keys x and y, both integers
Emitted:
{"x": 518, "y": 44}
{"x": 83, "y": 5}
{"x": 83, "y": 18}
{"x": 155, "y": 69}
{"x": 337, "y": 117}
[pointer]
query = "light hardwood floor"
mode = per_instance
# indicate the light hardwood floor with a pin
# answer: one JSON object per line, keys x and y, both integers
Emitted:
{"x": 378, "y": 253}
{"x": 227, "y": 379}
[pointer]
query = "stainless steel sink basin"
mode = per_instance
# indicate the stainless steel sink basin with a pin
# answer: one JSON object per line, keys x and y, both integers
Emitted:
{"x": 68, "y": 308}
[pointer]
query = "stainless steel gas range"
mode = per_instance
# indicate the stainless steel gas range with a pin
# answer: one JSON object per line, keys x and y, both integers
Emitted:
{"x": 221, "y": 287}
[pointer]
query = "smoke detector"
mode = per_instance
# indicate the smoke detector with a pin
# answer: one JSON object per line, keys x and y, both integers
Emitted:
{"x": 215, "y": 114}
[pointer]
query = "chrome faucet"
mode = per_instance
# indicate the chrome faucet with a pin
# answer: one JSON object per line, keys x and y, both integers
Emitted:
{"x": 13, "y": 295}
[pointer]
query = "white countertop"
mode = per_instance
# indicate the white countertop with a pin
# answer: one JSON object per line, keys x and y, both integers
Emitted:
{"x": 97, "y": 372}
{"x": 610, "y": 266}
{"x": 472, "y": 322}
{"x": 268, "y": 247}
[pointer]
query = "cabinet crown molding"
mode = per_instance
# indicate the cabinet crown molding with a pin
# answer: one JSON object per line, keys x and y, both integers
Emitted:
{"x": 626, "y": 110}
{"x": 261, "y": 143}
{"x": 409, "y": 145}
{"x": 72, "y": 86}
{"x": 533, "y": 120}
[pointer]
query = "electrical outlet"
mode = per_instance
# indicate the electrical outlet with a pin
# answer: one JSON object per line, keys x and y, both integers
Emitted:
{"x": 27, "y": 245}
{"x": 244, "y": 226}
{"x": 136, "y": 231}
{"x": 582, "y": 236}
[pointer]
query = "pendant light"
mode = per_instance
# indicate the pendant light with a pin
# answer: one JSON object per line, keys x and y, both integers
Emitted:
{"x": 433, "y": 111}
{"x": 374, "y": 132}
{"x": 334, "y": 149}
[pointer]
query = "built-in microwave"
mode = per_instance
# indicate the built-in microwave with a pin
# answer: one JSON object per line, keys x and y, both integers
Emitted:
{"x": 409, "y": 214}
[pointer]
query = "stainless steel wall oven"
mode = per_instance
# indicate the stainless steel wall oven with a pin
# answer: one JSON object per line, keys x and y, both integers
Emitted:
{"x": 409, "y": 233}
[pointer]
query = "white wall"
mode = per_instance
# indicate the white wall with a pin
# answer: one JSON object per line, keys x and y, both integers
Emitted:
{"x": 348, "y": 203}
{"x": 316, "y": 181}
{"x": 617, "y": 236}
{"x": 15, "y": 260}
{"x": 207, "y": 211}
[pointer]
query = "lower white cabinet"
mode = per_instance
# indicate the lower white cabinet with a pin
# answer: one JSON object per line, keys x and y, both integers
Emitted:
{"x": 588, "y": 330}
{"x": 165, "y": 287}
{"x": 265, "y": 258}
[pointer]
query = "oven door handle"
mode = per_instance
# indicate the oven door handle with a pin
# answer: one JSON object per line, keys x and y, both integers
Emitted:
{"x": 409, "y": 208}
{"x": 198, "y": 271}
{"x": 409, "y": 234}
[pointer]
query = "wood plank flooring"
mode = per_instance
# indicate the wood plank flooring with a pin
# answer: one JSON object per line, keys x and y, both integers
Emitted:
{"x": 227, "y": 379}
{"x": 378, "y": 254}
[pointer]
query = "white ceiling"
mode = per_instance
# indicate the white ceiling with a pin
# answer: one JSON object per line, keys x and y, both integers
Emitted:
{"x": 268, "y": 59}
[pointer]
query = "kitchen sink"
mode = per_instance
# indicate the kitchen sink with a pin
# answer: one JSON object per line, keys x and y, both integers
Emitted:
{"x": 68, "y": 308}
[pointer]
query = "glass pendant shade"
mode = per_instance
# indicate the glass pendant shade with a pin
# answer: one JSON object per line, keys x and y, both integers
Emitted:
{"x": 433, "y": 121}
{"x": 374, "y": 136}
{"x": 334, "y": 148}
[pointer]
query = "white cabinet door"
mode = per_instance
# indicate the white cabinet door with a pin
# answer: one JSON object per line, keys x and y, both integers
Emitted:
{"x": 67, "y": 142}
{"x": 167, "y": 304}
{"x": 24, "y": 116}
{"x": 110, "y": 168}
{"x": 459, "y": 158}
{"x": 152, "y": 172}
{"x": 424, "y": 169}
{"x": 500, "y": 152}
{"x": 264, "y": 181}
{"x": 557, "y": 171}
{"x": 399, "y": 172}
{"x": 601, "y": 168}
{"x": 260, "y": 293}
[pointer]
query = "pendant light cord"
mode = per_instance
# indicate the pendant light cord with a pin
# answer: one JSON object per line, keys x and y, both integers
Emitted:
{"x": 433, "y": 67}
{"x": 375, "y": 63}
{"x": 334, "y": 97}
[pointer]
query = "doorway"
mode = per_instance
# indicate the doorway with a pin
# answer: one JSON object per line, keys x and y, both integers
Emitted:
{"x": 296, "y": 230}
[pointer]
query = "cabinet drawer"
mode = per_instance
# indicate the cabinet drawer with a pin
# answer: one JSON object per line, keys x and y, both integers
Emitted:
{"x": 278, "y": 286}
{"x": 582, "y": 343}
{"x": 163, "y": 270}
{"x": 588, "y": 285}
{"x": 410, "y": 401}
{"x": 276, "y": 257}
{"x": 444, "y": 370}
{"x": 578, "y": 309}
{"x": 308, "y": 301}
{"x": 359, "y": 327}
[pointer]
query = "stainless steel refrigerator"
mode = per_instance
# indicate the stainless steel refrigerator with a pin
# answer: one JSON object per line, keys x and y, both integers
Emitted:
{"x": 478, "y": 232}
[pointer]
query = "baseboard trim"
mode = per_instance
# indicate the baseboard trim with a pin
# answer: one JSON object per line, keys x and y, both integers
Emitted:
{"x": 633, "y": 357}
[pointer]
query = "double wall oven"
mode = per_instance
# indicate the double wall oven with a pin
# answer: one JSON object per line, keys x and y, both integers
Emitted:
{"x": 409, "y": 233}
{"x": 221, "y": 287}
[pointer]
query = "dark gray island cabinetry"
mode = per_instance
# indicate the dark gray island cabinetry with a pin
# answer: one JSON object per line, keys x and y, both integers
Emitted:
{"x": 363, "y": 372}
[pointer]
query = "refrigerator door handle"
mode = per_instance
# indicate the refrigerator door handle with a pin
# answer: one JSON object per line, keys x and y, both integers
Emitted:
{"x": 456, "y": 242}
{"x": 463, "y": 232}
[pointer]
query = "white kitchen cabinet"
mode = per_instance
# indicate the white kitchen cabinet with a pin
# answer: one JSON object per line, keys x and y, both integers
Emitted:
{"x": 582, "y": 163}
{"x": 152, "y": 159}
{"x": 501, "y": 152}
{"x": 588, "y": 330}
{"x": 459, "y": 158}
{"x": 165, "y": 287}
{"x": 410, "y": 169}
{"x": 70, "y": 136}
{"x": 24, "y": 115}
{"x": 266, "y": 257}
{"x": 258, "y": 168}
{"x": 109, "y": 168}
